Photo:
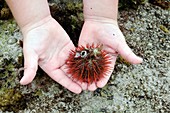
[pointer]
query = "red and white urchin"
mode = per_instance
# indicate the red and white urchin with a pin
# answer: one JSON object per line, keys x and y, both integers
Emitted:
{"x": 88, "y": 64}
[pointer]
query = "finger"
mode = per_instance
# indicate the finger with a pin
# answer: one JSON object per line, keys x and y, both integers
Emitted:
{"x": 60, "y": 77}
{"x": 83, "y": 85}
{"x": 30, "y": 67}
{"x": 105, "y": 79}
{"x": 92, "y": 87}
{"x": 127, "y": 54}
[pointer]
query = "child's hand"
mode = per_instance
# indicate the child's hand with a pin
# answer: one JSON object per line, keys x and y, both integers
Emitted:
{"x": 108, "y": 34}
{"x": 46, "y": 44}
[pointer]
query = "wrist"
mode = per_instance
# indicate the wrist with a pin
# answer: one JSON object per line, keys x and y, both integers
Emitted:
{"x": 105, "y": 10}
{"x": 27, "y": 12}
{"x": 100, "y": 19}
{"x": 35, "y": 24}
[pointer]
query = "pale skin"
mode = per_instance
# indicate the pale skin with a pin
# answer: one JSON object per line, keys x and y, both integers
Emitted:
{"x": 101, "y": 26}
{"x": 47, "y": 44}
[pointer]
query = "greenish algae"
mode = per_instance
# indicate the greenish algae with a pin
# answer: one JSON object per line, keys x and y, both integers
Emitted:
{"x": 164, "y": 29}
{"x": 5, "y": 12}
{"x": 11, "y": 100}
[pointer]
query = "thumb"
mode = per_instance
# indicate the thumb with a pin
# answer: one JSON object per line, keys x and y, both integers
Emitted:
{"x": 124, "y": 50}
{"x": 30, "y": 67}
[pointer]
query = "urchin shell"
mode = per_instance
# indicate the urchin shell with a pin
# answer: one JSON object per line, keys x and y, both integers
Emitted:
{"x": 88, "y": 64}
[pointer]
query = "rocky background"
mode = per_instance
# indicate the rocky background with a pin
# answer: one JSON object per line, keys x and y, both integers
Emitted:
{"x": 143, "y": 88}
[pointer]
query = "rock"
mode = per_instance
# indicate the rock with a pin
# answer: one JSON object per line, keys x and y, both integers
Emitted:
{"x": 12, "y": 40}
{"x": 145, "y": 86}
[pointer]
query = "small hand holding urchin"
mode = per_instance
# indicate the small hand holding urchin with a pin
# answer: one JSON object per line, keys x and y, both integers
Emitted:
{"x": 109, "y": 35}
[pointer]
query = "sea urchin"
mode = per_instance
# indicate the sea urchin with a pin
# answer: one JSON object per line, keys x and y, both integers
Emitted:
{"x": 88, "y": 64}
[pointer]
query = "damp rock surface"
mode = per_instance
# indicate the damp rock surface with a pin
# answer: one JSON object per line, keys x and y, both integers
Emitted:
{"x": 143, "y": 88}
